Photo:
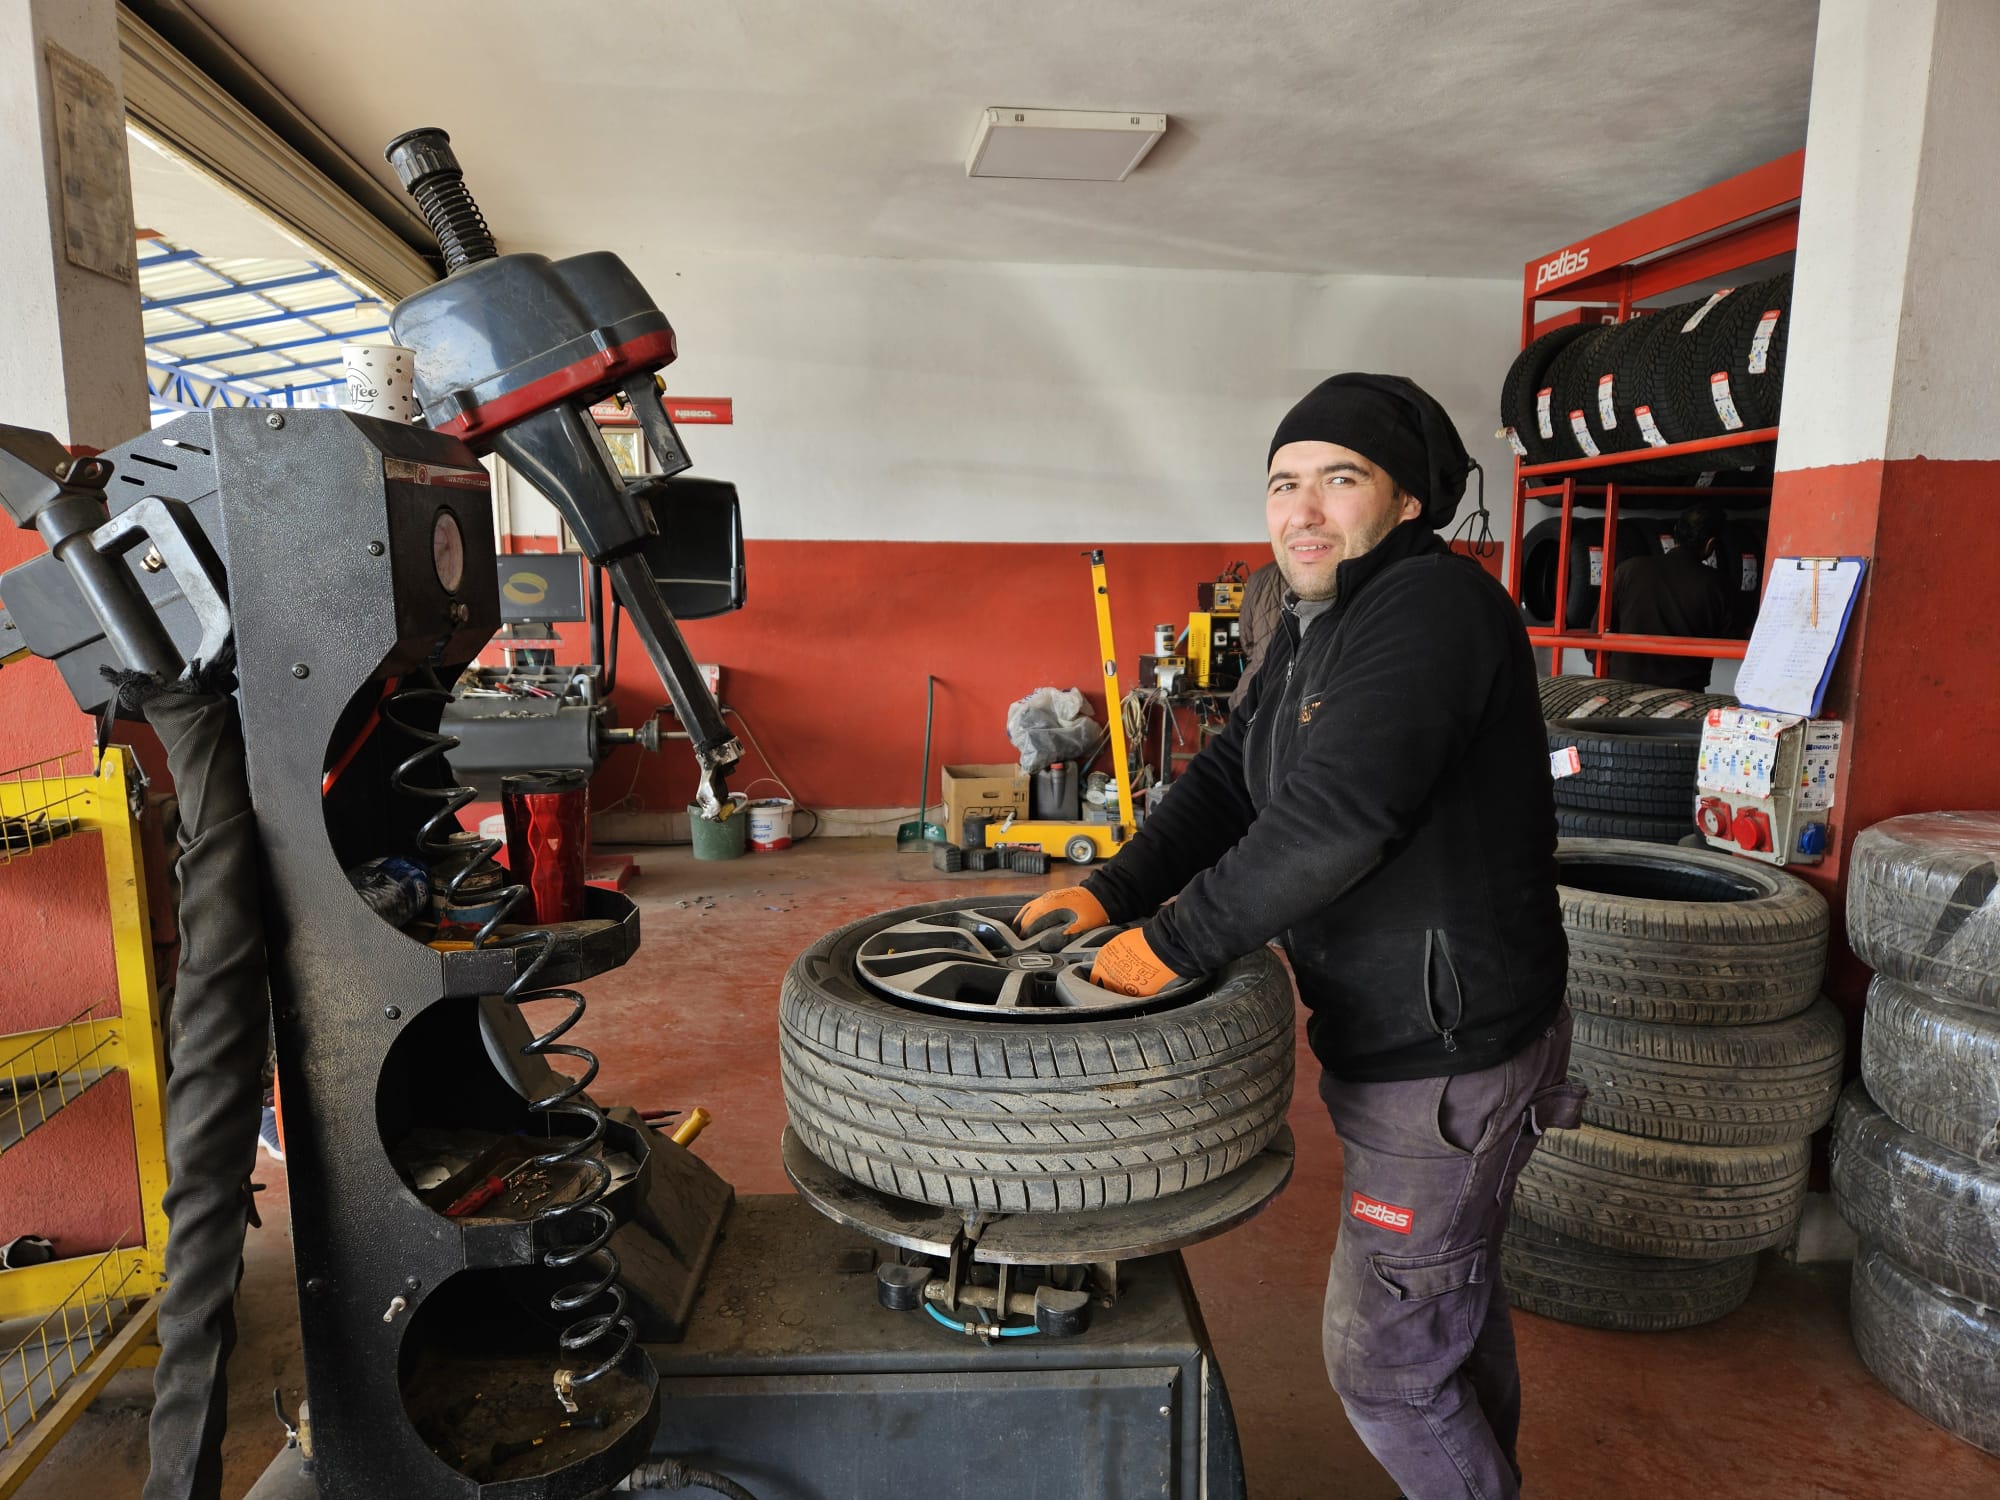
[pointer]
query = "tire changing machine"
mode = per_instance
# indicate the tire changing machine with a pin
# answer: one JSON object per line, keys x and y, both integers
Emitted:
{"x": 608, "y": 1316}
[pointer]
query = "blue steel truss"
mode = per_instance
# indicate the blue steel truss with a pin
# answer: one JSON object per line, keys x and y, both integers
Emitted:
{"x": 182, "y": 382}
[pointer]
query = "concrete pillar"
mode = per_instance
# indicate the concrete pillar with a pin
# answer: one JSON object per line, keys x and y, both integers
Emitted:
{"x": 73, "y": 361}
{"x": 1889, "y": 448}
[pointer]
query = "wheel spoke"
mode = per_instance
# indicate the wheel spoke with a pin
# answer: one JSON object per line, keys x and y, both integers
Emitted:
{"x": 1013, "y": 990}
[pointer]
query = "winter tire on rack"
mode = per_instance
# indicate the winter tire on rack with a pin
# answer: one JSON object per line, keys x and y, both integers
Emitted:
{"x": 951, "y": 1094}
{"x": 1687, "y": 936}
{"x": 1938, "y": 1352}
{"x": 1933, "y": 1210}
{"x": 1576, "y": 1282}
{"x": 1923, "y": 903}
{"x": 1934, "y": 1067}
{"x": 1638, "y": 767}
{"x": 1711, "y": 1085}
{"x": 1525, "y": 378}
{"x": 1622, "y": 1192}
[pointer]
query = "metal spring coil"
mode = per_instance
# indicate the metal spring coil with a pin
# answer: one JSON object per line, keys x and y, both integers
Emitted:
{"x": 448, "y": 207}
{"x": 461, "y": 858}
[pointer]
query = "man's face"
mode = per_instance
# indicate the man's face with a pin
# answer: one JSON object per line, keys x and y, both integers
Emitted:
{"x": 1324, "y": 504}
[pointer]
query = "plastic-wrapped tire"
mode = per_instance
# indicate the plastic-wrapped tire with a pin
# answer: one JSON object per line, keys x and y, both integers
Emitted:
{"x": 1934, "y": 1067}
{"x": 1665, "y": 1198}
{"x": 1711, "y": 1085}
{"x": 1575, "y": 823}
{"x": 1576, "y": 1282}
{"x": 1015, "y": 1115}
{"x": 1523, "y": 383}
{"x": 1923, "y": 903}
{"x": 1935, "y": 1211}
{"x": 1637, "y": 767}
{"x": 1938, "y": 1353}
{"x": 1687, "y": 937}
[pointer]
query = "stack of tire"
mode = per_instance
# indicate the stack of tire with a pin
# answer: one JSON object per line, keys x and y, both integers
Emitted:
{"x": 1699, "y": 369}
{"x": 1710, "y": 1059}
{"x": 1916, "y": 1152}
{"x": 1634, "y": 778}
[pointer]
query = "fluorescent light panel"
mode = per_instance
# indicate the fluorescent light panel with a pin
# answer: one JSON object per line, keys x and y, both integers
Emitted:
{"x": 1064, "y": 145}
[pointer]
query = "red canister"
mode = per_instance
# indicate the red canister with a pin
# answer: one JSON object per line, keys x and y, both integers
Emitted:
{"x": 548, "y": 841}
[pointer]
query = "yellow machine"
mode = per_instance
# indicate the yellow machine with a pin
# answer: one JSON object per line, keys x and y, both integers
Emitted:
{"x": 1215, "y": 632}
{"x": 1081, "y": 843}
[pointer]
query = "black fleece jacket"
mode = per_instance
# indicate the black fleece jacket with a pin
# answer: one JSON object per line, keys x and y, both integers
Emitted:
{"x": 1381, "y": 803}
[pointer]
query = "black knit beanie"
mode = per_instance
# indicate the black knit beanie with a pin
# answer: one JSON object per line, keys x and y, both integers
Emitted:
{"x": 1396, "y": 425}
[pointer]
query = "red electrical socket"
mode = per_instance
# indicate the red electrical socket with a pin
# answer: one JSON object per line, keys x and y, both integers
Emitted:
{"x": 1751, "y": 830}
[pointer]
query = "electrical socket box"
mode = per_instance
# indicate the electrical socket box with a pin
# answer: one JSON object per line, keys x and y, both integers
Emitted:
{"x": 1764, "y": 786}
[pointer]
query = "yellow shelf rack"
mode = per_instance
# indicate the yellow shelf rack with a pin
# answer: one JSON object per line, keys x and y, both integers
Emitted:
{"x": 68, "y": 1325}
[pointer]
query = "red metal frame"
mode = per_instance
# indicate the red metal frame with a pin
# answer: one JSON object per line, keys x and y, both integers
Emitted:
{"x": 1750, "y": 217}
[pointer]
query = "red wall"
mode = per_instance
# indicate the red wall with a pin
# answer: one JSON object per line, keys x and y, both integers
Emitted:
{"x": 828, "y": 659}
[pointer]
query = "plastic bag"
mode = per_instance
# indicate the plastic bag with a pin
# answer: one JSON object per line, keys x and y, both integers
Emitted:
{"x": 1052, "y": 724}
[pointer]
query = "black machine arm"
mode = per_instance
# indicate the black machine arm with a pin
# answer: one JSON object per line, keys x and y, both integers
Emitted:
{"x": 511, "y": 352}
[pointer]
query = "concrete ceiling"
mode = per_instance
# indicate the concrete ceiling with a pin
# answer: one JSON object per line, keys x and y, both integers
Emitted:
{"x": 1417, "y": 137}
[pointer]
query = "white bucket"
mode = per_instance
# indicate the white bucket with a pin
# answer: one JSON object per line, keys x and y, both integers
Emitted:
{"x": 771, "y": 824}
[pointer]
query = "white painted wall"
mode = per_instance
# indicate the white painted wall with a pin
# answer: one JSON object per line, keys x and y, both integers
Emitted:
{"x": 1942, "y": 405}
{"x": 884, "y": 399}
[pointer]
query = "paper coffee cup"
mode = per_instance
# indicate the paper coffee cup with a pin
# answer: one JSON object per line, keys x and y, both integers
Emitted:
{"x": 380, "y": 380}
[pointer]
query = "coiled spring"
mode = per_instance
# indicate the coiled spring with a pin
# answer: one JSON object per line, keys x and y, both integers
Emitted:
{"x": 579, "y": 1230}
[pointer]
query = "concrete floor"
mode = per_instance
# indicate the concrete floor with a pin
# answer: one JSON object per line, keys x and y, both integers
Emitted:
{"x": 1771, "y": 1402}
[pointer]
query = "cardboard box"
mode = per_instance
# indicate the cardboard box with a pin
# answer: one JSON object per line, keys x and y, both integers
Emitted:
{"x": 993, "y": 790}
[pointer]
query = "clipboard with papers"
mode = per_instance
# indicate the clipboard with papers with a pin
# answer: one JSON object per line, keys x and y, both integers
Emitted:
{"x": 1800, "y": 624}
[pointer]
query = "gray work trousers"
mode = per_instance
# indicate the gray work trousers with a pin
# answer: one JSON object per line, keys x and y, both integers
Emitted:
{"x": 1418, "y": 1341}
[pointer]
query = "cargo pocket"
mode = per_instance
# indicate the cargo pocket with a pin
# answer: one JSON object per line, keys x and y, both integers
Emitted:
{"x": 1414, "y": 1322}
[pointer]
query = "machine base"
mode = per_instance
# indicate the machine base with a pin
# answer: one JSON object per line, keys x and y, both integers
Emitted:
{"x": 793, "y": 1381}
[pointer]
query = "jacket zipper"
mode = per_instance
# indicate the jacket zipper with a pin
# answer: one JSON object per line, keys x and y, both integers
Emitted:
{"x": 1271, "y": 746}
{"x": 1434, "y": 937}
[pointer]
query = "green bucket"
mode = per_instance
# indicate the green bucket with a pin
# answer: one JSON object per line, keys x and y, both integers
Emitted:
{"x": 726, "y": 838}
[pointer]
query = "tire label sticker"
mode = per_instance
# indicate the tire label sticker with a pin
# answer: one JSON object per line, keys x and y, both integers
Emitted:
{"x": 1514, "y": 441}
{"x": 1725, "y": 404}
{"x": 1542, "y": 410}
{"x": 1648, "y": 428}
{"x": 1705, "y": 478}
{"x": 1564, "y": 763}
{"x": 1596, "y": 567}
{"x": 1751, "y": 573}
{"x": 1760, "y": 346}
{"x": 1667, "y": 543}
{"x": 1607, "y": 411}
{"x": 1388, "y": 1215}
{"x": 1702, "y": 311}
{"x": 1581, "y": 428}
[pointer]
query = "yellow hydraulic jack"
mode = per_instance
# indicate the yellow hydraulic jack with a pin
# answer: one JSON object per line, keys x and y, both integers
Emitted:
{"x": 1081, "y": 843}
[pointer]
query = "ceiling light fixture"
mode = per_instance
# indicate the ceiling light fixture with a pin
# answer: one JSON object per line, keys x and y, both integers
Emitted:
{"x": 1063, "y": 145}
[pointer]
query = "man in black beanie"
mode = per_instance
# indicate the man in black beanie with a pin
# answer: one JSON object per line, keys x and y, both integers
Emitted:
{"x": 1381, "y": 804}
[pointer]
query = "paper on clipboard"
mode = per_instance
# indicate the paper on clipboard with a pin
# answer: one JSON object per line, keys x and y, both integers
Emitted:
{"x": 1799, "y": 628}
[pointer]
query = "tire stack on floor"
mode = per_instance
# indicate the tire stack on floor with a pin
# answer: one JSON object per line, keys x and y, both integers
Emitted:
{"x": 1634, "y": 778}
{"x": 1916, "y": 1152}
{"x": 1694, "y": 981}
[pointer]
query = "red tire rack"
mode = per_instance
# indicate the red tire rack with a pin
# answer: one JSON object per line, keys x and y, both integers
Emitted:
{"x": 1738, "y": 222}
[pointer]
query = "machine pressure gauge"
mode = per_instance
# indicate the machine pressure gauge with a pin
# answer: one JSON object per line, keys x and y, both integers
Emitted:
{"x": 448, "y": 551}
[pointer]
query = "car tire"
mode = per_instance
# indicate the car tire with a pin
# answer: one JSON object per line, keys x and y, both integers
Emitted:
{"x": 1664, "y": 1198}
{"x": 1932, "y": 1209}
{"x": 1711, "y": 1085}
{"x": 1573, "y": 1281}
{"x": 1934, "y": 1067}
{"x": 1923, "y": 903}
{"x": 1576, "y": 823}
{"x": 1687, "y": 937}
{"x": 1939, "y": 1353}
{"x": 1014, "y": 1115}
{"x": 1637, "y": 767}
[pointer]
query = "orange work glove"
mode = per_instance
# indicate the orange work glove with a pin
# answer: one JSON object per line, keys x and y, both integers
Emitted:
{"x": 1073, "y": 901}
{"x": 1129, "y": 965}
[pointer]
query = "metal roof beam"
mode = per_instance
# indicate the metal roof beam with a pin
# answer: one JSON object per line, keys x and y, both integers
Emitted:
{"x": 239, "y": 289}
{"x": 261, "y": 320}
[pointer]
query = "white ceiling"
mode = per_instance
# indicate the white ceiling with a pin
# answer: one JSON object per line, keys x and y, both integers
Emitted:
{"x": 1416, "y": 137}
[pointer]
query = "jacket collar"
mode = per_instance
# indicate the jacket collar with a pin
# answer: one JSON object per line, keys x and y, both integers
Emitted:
{"x": 1412, "y": 538}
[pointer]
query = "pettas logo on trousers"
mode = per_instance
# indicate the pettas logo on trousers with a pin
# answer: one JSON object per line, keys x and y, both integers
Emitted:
{"x": 1386, "y": 1214}
{"x": 1569, "y": 263}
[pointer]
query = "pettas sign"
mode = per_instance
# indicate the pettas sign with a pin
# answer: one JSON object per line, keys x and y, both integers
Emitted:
{"x": 1386, "y": 1214}
{"x": 1561, "y": 267}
